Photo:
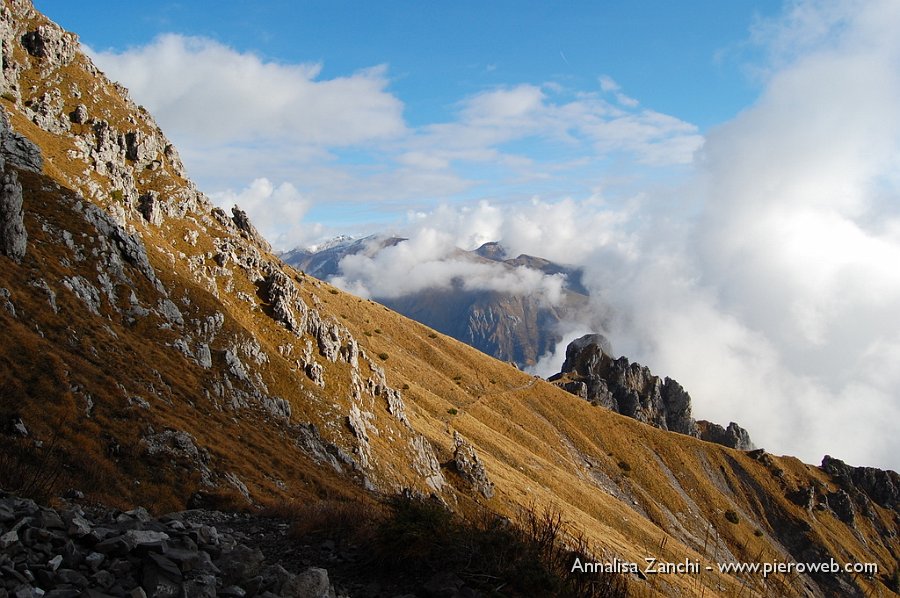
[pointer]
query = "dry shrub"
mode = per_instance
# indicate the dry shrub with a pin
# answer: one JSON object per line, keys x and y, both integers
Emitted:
{"x": 31, "y": 471}
{"x": 346, "y": 522}
{"x": 411, "y": 538}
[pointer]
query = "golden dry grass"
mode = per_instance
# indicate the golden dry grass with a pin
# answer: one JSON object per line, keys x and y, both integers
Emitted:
{"x": 632, "y": 490}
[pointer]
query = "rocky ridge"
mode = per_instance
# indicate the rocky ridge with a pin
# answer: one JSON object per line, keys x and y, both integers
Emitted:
{"x": 590, "y": 372}
{"x": 143, "y": 249}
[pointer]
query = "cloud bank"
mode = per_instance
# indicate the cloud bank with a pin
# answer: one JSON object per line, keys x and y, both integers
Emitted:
{"x": 431, "y": 260}
{"x": 767, "y": 283}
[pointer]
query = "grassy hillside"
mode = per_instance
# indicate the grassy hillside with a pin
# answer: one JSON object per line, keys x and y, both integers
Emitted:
{"x": 159, "y": 354}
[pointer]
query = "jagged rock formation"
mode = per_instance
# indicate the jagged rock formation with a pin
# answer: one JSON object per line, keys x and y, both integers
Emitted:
{"x": 21, "y": 152}
{"x": 733, "y": 436}
{"x": 470, "y": 467}
{"x": 13, "y": 236}
{"x": 882, "y": 487}
{"x": 590, "y": 372}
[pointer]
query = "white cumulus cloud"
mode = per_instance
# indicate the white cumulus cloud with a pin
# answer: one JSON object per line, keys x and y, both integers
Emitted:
{"x": 204, "y": 89}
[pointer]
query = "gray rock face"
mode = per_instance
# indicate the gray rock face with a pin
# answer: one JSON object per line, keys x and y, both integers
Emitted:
{"x": 47, "y": 112}
{"x": 590, "y": 372}
{"x": 142, "y": 149}
{"x": 842, "y": 506}
{"x": 85, "y": 291}
{"x": 425, "y": 463}
{"x": 580, "y": 344}
{"x": 733, "y": 436}
{"x": 881, "y": 486}
{"x": 79, "y": 116}
{"x": 470, "y": 467}
{"x": 13, "y": 236}
{"x": 243, "y": 224}
{"x": 6, "y": 303}
{"x": 129, "y": 246}
{"x": 287, "y": 308}
{"x": 150, "y": 208}
{"x": 312, "y": 583}
{"x": 17, "y": 149}
{"x": 51, "y": 44}
{"x": 181, "y": 447}
{"x": 628, "y": 388}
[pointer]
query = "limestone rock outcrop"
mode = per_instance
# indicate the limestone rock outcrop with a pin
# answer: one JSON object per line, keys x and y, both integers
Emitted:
{"x": 590, "y": 372}
{"x": 880, "y": 486}
{"x": 13, "y": 236}
{"x": 733, "y": 436}
{"x": 470, "y": 467}
{"x": 628, "y": 388}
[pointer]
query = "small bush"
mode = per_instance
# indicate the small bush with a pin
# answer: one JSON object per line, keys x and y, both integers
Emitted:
{"x": 432, "y": 335}
{"x": 893, "y": 581}
{"x": 378, "y": 331}
{"x": 405, "y": 386}
{"x": 731, "y": 516}
{"x": 31, "y": 471}
{"x": 624, "y": 466}
{"x": 117, "y": 195}
{"x": 333, "y": 291}
{"x": 344, "y": 522}
{"x": 758, "y": 533}
{"x": 383, "y": 356}
{"x": 528, "y": 557}
{"x": 452, "y": 411}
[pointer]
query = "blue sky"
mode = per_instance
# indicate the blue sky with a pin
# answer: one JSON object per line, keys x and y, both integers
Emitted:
{"x": 725, "y": 172}
{"x": 691, "y": 61}
{"x": 681, "y": 58}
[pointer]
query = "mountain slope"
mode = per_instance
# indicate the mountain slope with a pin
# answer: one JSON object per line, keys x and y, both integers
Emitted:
{"x": 156, "y": 352}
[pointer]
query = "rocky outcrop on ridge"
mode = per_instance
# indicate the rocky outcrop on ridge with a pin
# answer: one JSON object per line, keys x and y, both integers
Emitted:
{"x": 880, "y": 486}
{"x": 590, "y": 372}
{"x": 20, "y": 152}
{"x": 734, "y": 436}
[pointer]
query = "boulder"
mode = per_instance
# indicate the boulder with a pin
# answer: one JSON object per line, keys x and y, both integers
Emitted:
{"x": 470, "y": 467}
{"x": 13, "y": 236}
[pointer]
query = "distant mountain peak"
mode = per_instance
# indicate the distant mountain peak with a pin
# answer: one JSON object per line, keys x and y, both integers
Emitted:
{"x": 492, "y": 250}
{"x": 338, "y": 241}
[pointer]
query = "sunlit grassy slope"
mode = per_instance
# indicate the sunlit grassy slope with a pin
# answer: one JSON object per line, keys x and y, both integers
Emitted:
{"x": 93, "y": 387}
